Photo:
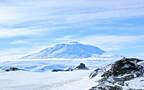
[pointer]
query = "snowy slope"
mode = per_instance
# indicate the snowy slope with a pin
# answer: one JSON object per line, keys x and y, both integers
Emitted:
{"x": 70, "y": 50}
{"x": 77, "y": 80}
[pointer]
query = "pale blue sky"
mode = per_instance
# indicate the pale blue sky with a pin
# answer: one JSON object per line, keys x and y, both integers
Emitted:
{"x": 30, "y": 25}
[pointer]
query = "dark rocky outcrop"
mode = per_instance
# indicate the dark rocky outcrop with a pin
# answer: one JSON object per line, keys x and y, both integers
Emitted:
{"x": 95, "y": 72}
{"x": 122, "y": 70}
{"x": 69, "y": 69}
{"x": 12, "y": 69}
{"x": 126, "y": 65}
{"x": 82, "y": 66}
{"x": 123, "y": 66}
{"x": 106, "y": 87}
{"x": 57, "y": 70}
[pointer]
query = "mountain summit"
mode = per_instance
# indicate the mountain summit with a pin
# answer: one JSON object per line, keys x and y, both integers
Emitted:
{"x": 69, "y": 50}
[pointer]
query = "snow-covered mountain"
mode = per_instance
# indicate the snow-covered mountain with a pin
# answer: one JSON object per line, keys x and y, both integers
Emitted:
{"x": 69, "y": 50}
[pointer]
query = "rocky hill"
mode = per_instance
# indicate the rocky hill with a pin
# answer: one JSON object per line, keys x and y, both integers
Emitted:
{"x": 124, "y": 74}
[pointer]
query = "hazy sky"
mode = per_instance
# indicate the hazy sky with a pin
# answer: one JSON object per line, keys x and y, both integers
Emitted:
{"x": 27, "y": 26}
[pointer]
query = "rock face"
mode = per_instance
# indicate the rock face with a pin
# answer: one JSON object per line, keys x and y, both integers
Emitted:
{"x": 125, "y": 66}
{"x": 82, "y": 66}
{"x": 95, "y": 72}
{"x": 119, "y": 72}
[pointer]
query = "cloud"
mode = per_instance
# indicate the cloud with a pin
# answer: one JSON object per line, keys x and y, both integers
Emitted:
{"x": 74, "y": 11}
{"x": 6, "y": 33}
{"x": 56, "y": 14}
{"x": 41, "y": 17}
{"x": 19, "y": 42}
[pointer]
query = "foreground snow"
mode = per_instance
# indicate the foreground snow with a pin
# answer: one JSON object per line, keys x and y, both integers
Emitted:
{"x": 37, "y": 75}
{"x": 20, "y": 80}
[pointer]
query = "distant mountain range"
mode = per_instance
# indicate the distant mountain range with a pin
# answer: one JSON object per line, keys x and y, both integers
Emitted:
{"x": 69, "y": 50}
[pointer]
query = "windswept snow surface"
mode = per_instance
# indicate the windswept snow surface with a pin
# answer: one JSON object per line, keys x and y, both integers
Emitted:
{"x": 21, "y": 80}
{"x": 38, "y": 75}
